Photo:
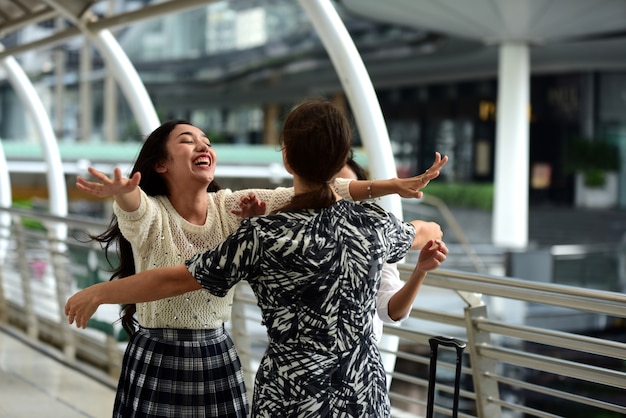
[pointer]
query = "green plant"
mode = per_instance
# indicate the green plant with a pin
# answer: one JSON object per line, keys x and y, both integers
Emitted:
{"x": 594, "y": 178}
{"x": 29, "y": 223}
{"x": 467, "y": 195}
{"x": 592, "y": 158}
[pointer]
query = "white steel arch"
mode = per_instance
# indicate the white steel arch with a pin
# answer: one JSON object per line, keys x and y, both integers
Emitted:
{"x": 35, "y": 108}
{"x": 359, "y": 90}
{"x": 131, "y": 85}
{"x": 57, "y": 190}
{"x": 368, "y": 114}
{"x": 123, "y": 71}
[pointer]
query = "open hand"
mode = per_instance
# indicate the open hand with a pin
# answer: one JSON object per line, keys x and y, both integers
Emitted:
{"x": 250, "y": 205}
{"x": 107, "y": 187}
{"x": 410, "y": 187}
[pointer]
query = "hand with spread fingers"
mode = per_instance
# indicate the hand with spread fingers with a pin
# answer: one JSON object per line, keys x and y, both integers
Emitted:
{"x": 249, "y": 206}
{"x": 411, "y": 187}
{"x": 432, "y": 254}
{"x": 107, "y": 187}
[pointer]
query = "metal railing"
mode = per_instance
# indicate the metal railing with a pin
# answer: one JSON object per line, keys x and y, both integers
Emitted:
{"x": 534, "y": 349}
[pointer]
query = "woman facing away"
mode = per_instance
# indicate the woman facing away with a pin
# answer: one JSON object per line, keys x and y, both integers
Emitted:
{"x": 394, "y": 299}
{"x": 314, "y": 267}
{"x": 181, "y": 361}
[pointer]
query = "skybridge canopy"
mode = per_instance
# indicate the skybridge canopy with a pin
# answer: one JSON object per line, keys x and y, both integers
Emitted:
{"x": 509, "y": 39}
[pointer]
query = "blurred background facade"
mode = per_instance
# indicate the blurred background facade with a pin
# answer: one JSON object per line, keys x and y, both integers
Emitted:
{"x": 235, "y": 67}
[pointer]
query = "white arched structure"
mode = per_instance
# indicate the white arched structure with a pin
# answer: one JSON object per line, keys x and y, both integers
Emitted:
{"x": 124, "y": 73}
{"x": 368, "y": 115}
{"x": 57, "y": 192}
{"x": 367, "y": 112}
{"x": 123, "y": 70}
{"x": 359, "y": 91}
{"x": 97, "y": 31}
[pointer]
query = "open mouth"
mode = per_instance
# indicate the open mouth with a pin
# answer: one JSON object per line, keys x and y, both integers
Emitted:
{"x": 203, "y": 161}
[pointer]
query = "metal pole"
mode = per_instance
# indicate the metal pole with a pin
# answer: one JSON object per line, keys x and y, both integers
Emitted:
{"x": 360, "y": 92}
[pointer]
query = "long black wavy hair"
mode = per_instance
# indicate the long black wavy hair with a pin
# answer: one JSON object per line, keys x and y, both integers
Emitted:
{"x": 153, "y": 151}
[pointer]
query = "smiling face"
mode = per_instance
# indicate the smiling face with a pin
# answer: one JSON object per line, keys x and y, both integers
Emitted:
{"x": 190, "y": 158}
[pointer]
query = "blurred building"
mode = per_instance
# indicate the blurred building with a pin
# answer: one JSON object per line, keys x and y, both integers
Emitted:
{"x": 235, "y": 67}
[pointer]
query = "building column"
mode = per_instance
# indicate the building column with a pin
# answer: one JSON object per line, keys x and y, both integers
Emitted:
{"x": 59, "y": 57}
{"x": 511, "y": 179}
{"x": 110, "y": 127}
{"x": 270, "y": 126}
{"x": 85, "y": 114}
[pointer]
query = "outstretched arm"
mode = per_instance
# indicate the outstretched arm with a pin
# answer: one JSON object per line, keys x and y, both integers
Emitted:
{"x": 431, "y": 257}
{"x": 146, "y": 286}
{"x": 124, "y": 190}
{"x": 408, "y": 187}
{"x": 358, "y": 190}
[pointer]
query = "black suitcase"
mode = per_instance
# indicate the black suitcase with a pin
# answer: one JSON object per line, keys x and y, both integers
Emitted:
{"x": 435, "y": 342}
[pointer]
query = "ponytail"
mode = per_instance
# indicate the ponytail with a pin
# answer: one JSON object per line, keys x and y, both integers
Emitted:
{"x": 319, "y": 198}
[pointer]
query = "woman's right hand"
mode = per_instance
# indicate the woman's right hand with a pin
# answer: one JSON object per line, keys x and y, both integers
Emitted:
{"x": 81, "y": 306}
{"x": 107, "y": 187}
{"x": 431, "y": 256}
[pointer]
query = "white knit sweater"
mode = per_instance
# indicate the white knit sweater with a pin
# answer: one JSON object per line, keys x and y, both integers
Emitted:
{"x": 160, "y": 237}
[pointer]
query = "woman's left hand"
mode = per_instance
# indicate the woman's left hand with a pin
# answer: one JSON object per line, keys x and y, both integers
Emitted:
{"x": 250, "y": 205}
{"x": 432, "y": 255}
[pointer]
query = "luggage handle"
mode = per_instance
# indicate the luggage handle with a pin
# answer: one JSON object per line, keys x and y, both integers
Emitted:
{"x": 459, "y": 345}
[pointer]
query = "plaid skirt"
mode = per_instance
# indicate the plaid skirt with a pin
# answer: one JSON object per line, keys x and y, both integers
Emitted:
{"x": 181, "y": 373}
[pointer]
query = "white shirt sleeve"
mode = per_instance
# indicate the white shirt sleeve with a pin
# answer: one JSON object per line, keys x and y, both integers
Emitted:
{"x": 389, "y": 285}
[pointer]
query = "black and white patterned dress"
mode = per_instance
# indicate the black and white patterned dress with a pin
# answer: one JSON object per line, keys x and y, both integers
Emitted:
{"x": 315, "y": 275}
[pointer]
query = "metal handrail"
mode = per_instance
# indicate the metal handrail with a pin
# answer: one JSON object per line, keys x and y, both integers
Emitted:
{"x": 495, "y": 345}
{"x": 611, "y": 303}
{"x": 555, "y": 338}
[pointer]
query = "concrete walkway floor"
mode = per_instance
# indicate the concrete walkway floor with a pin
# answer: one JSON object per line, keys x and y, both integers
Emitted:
{"x": 34, "y": 384}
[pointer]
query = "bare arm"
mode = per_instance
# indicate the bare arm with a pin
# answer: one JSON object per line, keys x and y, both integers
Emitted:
{"x": 146, "y": 286}
{"x": 424, "y": 232}
{"x": 431, "y": 257}
{"x": 408, "y": 187}
{"x": 124, "y": 190}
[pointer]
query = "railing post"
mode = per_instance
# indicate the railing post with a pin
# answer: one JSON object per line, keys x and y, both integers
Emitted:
{"x": 4, "y": 305}
{"x": 62, "y": 279}
{"x": 240, "y": 336}
{"x": 32, "y": 325}
{"x": 484, "y": 387}
{"x": 114, "y": 357}
{"x": 5, "y": 233}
